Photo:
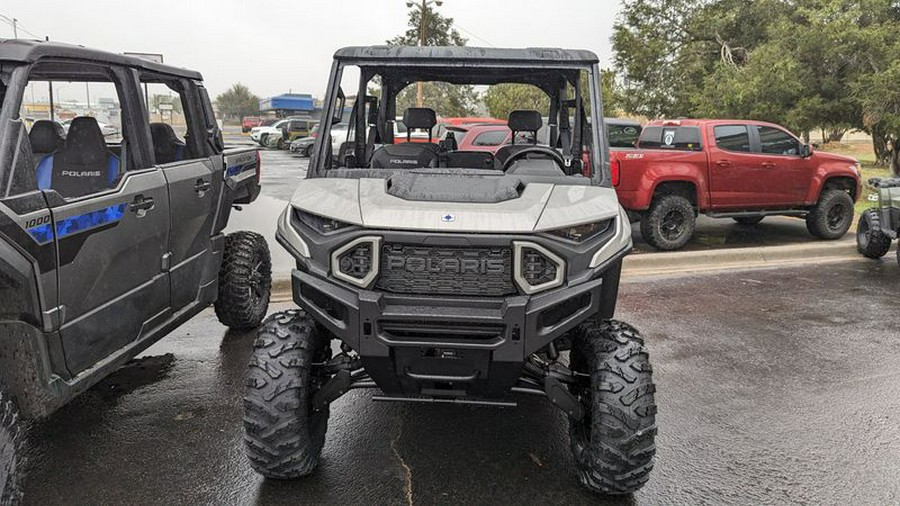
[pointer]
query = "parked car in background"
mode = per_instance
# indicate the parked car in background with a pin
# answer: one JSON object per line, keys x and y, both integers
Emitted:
{"x": 296, "y": 128}
{"x": 303, "y": 146}
{"x": 745, "y": 170}
{"x": 106, "y": 129}
{"x": 488, "y": 138}
{"x": 261, "y": 133}
{"x": 248, "y": 122}
{"x": 445, "y": 124}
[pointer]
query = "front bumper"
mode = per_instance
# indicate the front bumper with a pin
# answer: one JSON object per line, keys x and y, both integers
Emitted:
{"x": 451, "y": 346}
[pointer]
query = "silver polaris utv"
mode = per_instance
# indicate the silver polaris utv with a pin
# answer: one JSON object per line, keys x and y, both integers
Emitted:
{"x": 454, "y": 276}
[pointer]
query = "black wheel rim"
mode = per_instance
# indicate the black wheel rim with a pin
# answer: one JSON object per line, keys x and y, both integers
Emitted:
{"x": 835, "y": 216}
{"x": 672, "y": 225}
{"x": 256, "y": 288}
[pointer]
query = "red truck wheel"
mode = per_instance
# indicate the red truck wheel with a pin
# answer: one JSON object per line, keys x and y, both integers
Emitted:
{"x": 669, "y": 223}
{"x": 832, "y": 216}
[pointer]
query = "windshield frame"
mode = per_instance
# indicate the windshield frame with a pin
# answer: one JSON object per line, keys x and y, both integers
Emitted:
{"x": 600, "y": 164}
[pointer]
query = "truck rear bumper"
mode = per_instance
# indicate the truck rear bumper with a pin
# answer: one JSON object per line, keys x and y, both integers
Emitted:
{"x": 445, "y": 346}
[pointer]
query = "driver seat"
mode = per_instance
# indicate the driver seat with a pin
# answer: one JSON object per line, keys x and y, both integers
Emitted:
{"x": 519, "y": 121}
{"x": 410, "y": 155}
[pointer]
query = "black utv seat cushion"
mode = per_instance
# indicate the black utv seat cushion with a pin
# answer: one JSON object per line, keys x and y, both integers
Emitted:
{"x": 46, "y": 137}
{"x": 468, "y": 160}
{"x": 419, "y": 118}
{"x": 83, "y": 165}
{"x": 167, "y": 147}
{"x": 408, "y": 155}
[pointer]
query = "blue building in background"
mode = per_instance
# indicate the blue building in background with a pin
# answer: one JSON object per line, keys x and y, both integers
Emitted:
{"x": 289, "y": 104}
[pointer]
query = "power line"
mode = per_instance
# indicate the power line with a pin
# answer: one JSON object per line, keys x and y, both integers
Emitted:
{"x": 18, "y": 26}
{"x": 467, "y": 32}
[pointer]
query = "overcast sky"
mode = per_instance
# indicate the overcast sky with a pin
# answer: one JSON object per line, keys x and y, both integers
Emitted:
{"x": 288, "y": 45}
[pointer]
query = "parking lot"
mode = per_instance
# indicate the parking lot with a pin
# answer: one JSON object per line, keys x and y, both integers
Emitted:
{"x": 766, "y": 395}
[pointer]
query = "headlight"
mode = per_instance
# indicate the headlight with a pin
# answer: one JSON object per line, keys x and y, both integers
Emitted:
{"x": 357, "y": 262}
{"x": 537, "y": 269}
{"x": 581, "y": 233}
{"x": 321, "y": 224}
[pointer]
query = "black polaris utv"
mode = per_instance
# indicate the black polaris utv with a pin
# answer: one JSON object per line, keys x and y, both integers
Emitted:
{"x": 879, "y": 226}
{"x": 111, "y": 219}
{"x": 457, "y": 276}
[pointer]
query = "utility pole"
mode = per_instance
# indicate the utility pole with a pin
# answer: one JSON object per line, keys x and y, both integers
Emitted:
{"x": 423, "y": 38}
{"x": 15, "y": 30}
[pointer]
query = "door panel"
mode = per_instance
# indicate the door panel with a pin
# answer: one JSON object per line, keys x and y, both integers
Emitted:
{"x": 780, "y": 153}
{"x": 737, "y": 177}
{"x": 111, "y": 282}
{"x": 194, "y": 196}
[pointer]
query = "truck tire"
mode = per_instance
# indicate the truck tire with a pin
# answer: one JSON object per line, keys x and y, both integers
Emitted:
{"x": 748, "y": 220}
{"x": 871, "y": 241}
{"x": 669, "y": 223}
{"x": 831, "y": 218}
{"x": 284, "y": 436}
{"x": 613, "y": 444}
{"x": 245, "y": 281}
{"x": 11, "y": 455}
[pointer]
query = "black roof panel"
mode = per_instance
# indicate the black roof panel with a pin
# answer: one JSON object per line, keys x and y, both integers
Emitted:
{"x": 28, "y": 51}
{"x": 451, "y": 54}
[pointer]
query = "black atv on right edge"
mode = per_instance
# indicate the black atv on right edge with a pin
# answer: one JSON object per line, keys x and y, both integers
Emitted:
{"x": 880, "y": 225}
{"x": 453, "y": 276}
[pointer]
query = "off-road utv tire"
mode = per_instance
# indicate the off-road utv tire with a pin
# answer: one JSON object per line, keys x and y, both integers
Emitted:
{"x": 748, "y": 220}
{"x": 669, "y": 223}
{"x": 11, "y": 452}
{"x": 832, "y": 216}
{"x": 871, "y": 241}
{"x": 284, "y": 435}
{"x": 613, "y": 444}
{"x": 245, "y": 281}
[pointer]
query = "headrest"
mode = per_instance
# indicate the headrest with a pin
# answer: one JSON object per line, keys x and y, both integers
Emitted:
{"x": 46, "y": 136}
{"x": 419, "y": 118}
{"x": 163, "y": 132}
{"x": 84, "y": 143}
{"x": 525, "y": 121}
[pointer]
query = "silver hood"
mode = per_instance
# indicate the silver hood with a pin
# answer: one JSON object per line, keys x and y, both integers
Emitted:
{"x": 540, "y": 207}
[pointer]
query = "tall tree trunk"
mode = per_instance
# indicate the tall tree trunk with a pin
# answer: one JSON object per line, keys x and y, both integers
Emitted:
{"x": 879, "y": 144}
{"x": 836, "y": 135}
{"x": 895, "y": 159}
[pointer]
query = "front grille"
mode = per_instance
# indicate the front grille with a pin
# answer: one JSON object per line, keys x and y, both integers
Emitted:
{"x": 444, "y": 270}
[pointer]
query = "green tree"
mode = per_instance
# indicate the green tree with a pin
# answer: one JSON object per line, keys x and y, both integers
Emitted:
{"x": 446, "y": 99}
{"x": 502, "y": 99}
{"x": 237, "y": 102}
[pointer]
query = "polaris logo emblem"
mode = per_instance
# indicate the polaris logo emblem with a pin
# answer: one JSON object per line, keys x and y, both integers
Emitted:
{"x": 448, "y": 218}
{"x": 81, "y": 173}
{"x": 397, "y": 161}
{"x": 445, "y": 265}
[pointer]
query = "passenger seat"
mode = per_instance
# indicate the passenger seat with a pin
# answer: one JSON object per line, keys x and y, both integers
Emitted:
{"x": 167, "y": 147}
{"x": 519, "y": 121}
{"x": 410, "y": 155}
{"x": 83, "y": 165}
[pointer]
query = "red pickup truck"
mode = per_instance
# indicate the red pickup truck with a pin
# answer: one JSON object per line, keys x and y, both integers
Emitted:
{"x": 744, "y": 170}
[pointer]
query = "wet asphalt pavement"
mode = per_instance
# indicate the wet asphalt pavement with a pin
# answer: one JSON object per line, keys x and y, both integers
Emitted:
{"x": 774, "y": 387}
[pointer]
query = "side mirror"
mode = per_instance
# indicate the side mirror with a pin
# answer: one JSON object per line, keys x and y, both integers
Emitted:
{"x": 338, "y": 114}
{"x": 806, "y": 151}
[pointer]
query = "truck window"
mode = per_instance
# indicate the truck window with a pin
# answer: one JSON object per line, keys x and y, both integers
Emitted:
{"x": 171, "y": 119}
{"x": 777, "y": 142}
{"x": 733, "y": 138}
{"x": 623, "y": 136}
{"x": 492, "y": 138}
{"x": 671, "y": 137}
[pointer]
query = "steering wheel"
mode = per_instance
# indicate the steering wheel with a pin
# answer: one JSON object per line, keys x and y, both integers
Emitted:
{"x": 548, "y": 152}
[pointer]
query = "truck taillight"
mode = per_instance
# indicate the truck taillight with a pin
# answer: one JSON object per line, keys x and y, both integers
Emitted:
{"x": 616, "y": 171}
{"x": 586, "y": 167}
{"x": 258, "y": 167}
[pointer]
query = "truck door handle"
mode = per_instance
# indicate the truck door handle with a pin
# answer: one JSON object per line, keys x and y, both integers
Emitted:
{"x": 140, "y": 205}
{"x": 202, "y": 186}
{"x": 724, "y": 163}
{"x": 768, "y": 165}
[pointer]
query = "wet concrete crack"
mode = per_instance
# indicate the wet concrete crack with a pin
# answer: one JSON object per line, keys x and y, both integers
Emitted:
{"x": 407, "y": 485}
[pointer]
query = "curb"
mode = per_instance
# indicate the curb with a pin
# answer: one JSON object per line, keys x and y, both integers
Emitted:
{"x": 686, "y": 262}
{"x": 690, "y": 262}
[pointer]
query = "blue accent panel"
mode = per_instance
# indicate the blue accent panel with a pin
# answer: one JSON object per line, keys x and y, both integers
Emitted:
{"x": 112, "y": 169}
{"x": 234, "y": 170}
{"x": 179, "y": 153}
{"x": 45, "y": 172}
{"x": 42, "y": 234}
{"x": 100, "y": 217}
